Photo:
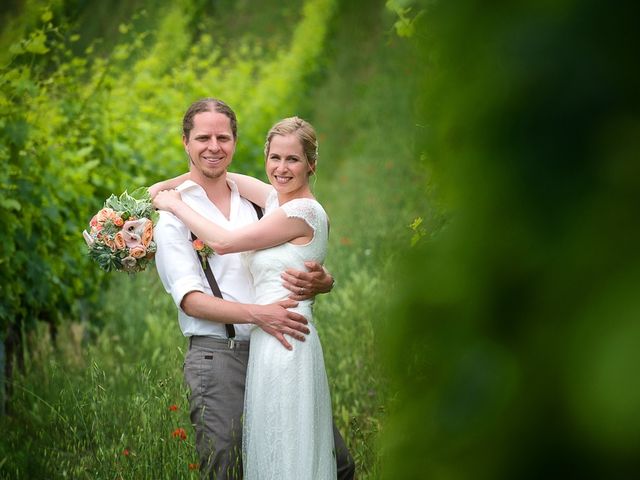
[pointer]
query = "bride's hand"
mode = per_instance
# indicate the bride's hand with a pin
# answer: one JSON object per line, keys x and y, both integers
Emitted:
{"x": 154, "y": 189}
{"x": 167, "y": 200}
{"x": 167, "y": 184}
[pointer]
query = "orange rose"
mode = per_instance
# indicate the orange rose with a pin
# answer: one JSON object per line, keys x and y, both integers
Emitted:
{"x": 118, "y": 221}
{"x": 94, "y": 221}
{"x": 147, "y": 233}
{"x": 119, "y": 242}
{"x": 105, "y": 214}
{"x": 108, "y": 242}
{"x": 198, "y": 244}
{"x": 138, "y": 251}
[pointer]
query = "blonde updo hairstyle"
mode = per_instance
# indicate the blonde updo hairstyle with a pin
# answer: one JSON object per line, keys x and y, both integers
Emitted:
{"x": 305, "y": 134}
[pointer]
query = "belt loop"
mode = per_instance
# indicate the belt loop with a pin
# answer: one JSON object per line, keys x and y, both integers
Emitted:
{"x": 231, "y": 343}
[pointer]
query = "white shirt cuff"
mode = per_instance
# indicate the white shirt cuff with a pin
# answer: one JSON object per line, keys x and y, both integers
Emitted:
{"x": 185, "y": 285}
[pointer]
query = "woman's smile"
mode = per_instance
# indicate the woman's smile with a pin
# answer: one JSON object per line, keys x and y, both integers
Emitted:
{"x": 282, "y": 179}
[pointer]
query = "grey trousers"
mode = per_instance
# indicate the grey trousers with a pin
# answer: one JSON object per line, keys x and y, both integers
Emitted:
{"x": 215, "y": 375}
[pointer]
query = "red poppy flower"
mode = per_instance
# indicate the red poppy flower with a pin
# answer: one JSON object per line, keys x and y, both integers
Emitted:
{"x": 173, "y": 408}
{"x": 194, "y": 466}
{"x": 345, "y": 241}
{"x": 126, "y": 452}
{"x": 179, "y": 433}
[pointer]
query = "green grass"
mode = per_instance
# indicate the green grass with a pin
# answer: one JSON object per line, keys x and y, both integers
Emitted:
{"x": 82, "y": 403}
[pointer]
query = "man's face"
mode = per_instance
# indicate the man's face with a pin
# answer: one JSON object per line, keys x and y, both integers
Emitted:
{"x": 210, "y": 145}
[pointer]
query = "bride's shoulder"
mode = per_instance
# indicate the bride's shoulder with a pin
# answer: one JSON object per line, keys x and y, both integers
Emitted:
{"x": 304, "y": 203}
{"x": 306, "y": 208}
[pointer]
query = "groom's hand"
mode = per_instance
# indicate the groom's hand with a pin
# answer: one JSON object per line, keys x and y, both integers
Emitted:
{"x": 276, "y": 320}
{"x": 305, "y": 285}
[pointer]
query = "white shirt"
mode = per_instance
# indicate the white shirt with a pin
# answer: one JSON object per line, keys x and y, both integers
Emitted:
{"x": 180, "y": 268}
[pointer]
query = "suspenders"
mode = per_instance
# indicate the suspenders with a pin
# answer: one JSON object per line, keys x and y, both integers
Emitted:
{"x": 231, "y": 331}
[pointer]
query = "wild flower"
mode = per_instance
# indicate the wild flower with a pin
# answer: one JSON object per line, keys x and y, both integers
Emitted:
{"x": 179, "y": 433}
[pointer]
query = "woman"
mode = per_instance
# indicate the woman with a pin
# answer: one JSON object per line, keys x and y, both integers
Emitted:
{"x": 287, "y": 432}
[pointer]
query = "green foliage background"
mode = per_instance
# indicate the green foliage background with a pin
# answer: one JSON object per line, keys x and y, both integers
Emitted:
{"x": 78, "y": 127}
{"x": 479, "y": 165}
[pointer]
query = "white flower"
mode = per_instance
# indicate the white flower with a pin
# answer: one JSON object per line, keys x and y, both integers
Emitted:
{"x": 88, "y": 238}
{"x": 132, "y": 231}
{"x": 129, "y": 263}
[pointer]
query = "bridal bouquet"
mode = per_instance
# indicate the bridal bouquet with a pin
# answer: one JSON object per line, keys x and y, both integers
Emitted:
{"x": 120, "y": 235}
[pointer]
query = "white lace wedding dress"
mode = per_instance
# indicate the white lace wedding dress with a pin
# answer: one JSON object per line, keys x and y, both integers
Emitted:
{"x": 288, "y": 432}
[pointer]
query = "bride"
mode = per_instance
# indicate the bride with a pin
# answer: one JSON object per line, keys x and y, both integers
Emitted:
{"x": 287, "y": 431}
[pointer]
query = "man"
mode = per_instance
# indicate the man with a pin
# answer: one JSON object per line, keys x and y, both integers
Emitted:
{"x": 215, "y": 366}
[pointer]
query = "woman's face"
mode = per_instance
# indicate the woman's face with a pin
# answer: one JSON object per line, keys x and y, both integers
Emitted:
{"x": 287, "y": 166}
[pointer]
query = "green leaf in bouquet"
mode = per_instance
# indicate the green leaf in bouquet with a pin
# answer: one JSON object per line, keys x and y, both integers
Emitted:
{"x": 113, "y": 203}
{"x": 142, "y": 194}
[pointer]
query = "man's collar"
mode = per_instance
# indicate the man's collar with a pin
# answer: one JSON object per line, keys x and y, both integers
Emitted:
{"x": 190, "y": 185}
{"x": 187, "y": 185}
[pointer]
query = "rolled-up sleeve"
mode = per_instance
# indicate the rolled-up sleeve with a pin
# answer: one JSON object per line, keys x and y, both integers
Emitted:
{"x": 176, "y": 260}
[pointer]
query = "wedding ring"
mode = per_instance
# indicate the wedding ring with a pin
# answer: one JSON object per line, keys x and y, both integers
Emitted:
{"x": 301, "y": 291}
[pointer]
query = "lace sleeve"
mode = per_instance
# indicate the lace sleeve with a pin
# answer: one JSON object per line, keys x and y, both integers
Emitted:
{"x": 308, "y": 210}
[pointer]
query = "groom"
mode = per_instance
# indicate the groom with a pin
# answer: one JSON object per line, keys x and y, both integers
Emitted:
{"x": 215, "y": 367}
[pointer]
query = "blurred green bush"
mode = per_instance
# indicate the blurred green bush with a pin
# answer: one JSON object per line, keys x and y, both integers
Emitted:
{"x": 515, "y": 343}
